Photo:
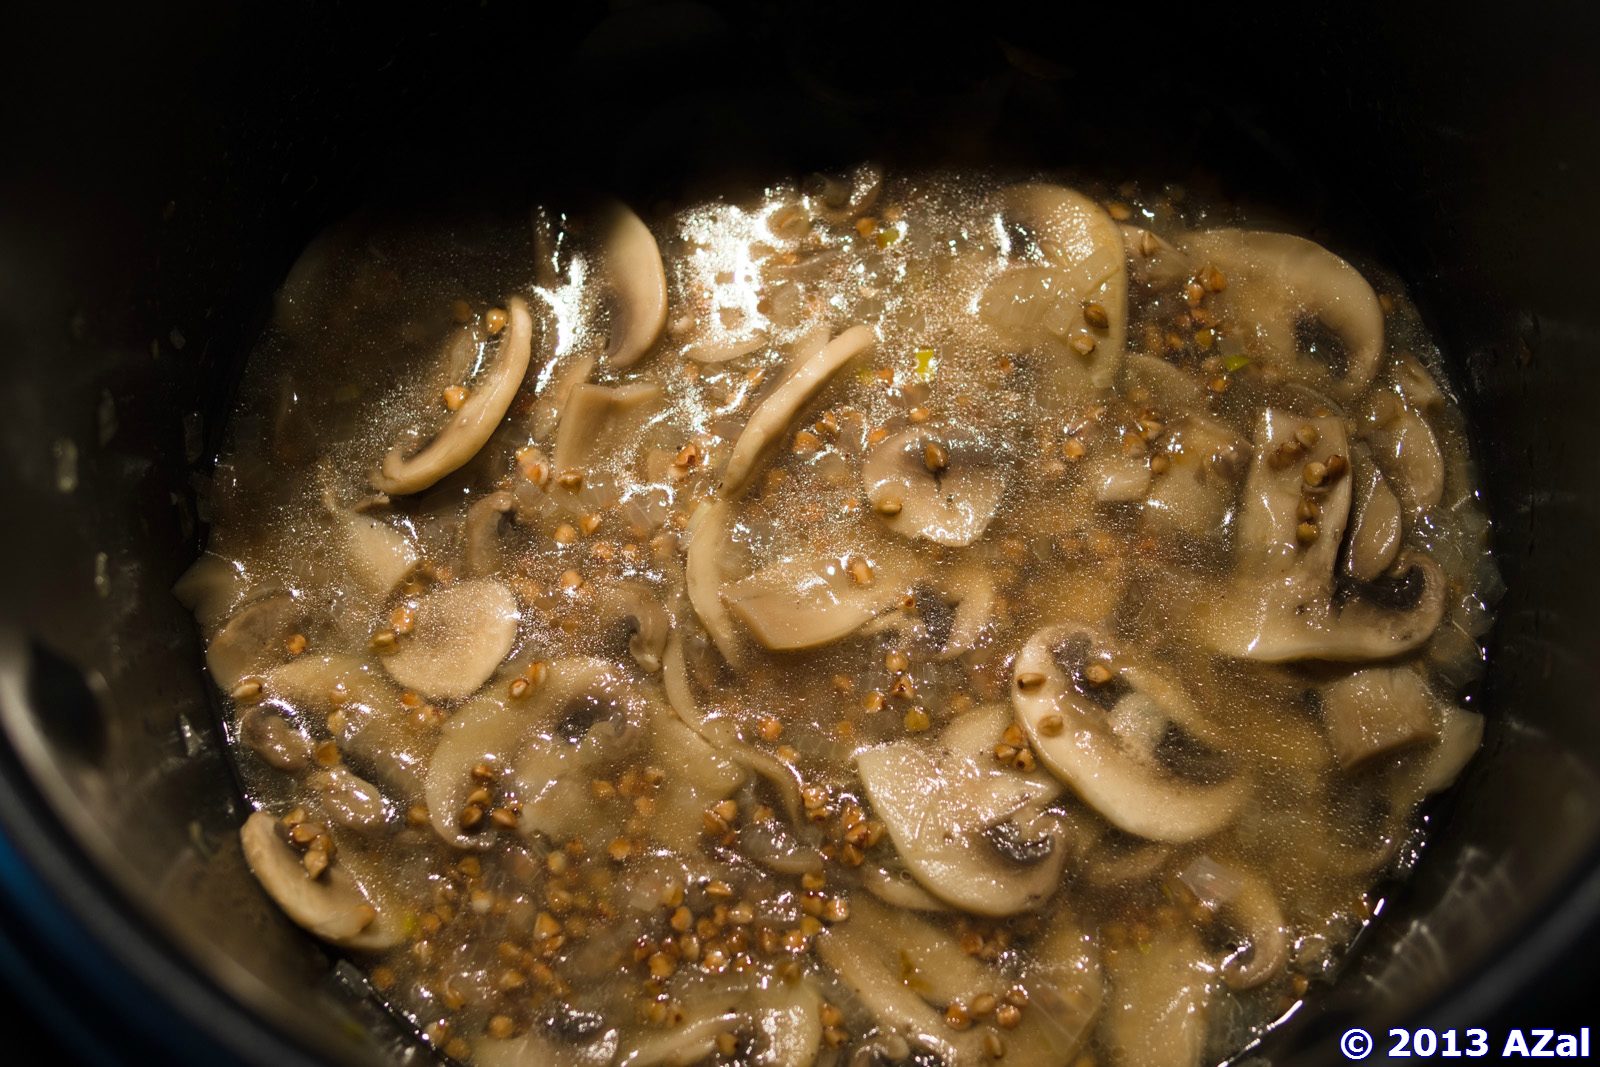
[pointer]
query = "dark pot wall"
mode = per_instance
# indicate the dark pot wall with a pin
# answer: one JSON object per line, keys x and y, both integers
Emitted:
{"x": 161, "y": 171}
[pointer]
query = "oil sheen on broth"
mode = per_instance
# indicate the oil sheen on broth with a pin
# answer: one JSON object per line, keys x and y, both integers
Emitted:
{"x": 887, "y": 619}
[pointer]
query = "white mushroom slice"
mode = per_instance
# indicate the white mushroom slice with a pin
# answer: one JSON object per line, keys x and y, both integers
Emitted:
{"x": 1407, "y": 450}
{"x": 788, "y": 1019}
{"x": 1195, "y": 494}
{"x": 1263, "y": 942}
{"x": 1042, "y": 308}
{"x": 591, "y": 418}
{"x": 899, "y": 889}
{"x": 1275, "y": 281}
{"x": 1068, "y": 732}
{"x": 884, "y": 957}
{"x": 211, "y": 588}
{"x": 480, "y": 533}
{"x": 972, "y": 831}
{"x": 1376, "y": 711}
{"x": 1153, "y": 380}
{"x": 377, "y": 555}
{"x": 534, "y": 1049}
{"x": 1285, "y": 606}
{"x": 1460, "y": 736}
{"x": 638, "y": 284}
{"x": 270, "y": 736}
{"x": 1065, "y": 995}
{"x": 798, "y": 604}
{"x": 349, "y": 799}
{"x": 1375, "y": 522}
{"x": 1417, "y": 384}
{"x": 697, "y": 777}
{"x": 974, "y": 595}
{"x": 638, "y": 607}
{"x": 1158, "y": 1012}
{"x": 704, "y": 576}
{"x": 252, "y": 638}
{"x": 506, "y": 734}
{"x": 331, "y": 906}
{"x": 1119, "y": 479}
{"x": 938, "y": 484}
{"x": 554, "y": 396}
{"x": 690, "y": 1042}
{"x": 709, "y": 351}
{"x": 773, "y": 415}
{"x": 474, "y": 422}
{"x": 460, "y": 634}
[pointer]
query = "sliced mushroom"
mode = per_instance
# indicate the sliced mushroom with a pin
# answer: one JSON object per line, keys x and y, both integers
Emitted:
{"x": 773, "y": 415}
{"x": 1375, "y": 522}
{"x": 1286, "y": 605}
{"x": 473, "y": 423}
{"x": 639, "y": 608}
{"x": 331, "y": 906}
{"x": 1376, "y": 711}
{"x": 900, "y": 967}
{"x": 784, "y": 1019}
{"x": 1068, "y": 730}
{"x": 1153, "y": 260}
{"x": 460, "y": 634}
{"x": 211, "y": 588}
{"x": 974, "y": 832}
{"x": 554, "y": 396}
{"x": 270, "y": 736}
{"x": 1407, "y": 450}
{"x": 938, "y": 484}
{"x": 638, "y": 284}
{"x": 1043, "y": 308}
{"x": 704, "y": 576}
{"x": 1119, "y": 479}
{"x": 377, "y": 555}
{"x": 480, "y": 533}
{"x": 1195, "y": 494}
{"x": 591, "y": 419}
{"x": 348, "y": 798}
{"x": 973, "y": 592}
{"x": 1460, "y": 736}
{"x": 798, "y": 604}
{"x": 721, "y": 351}
{"x": 1158, "y": 1013}
{"x": 1262, "y": 946}
{"x": 546, "y": 1050}
{"x": 1276, "y": 281}
{"x": 697, "y": 777}
{"x": 897, "y": 888}
{"x": 1066, "y": 993}
{"x": 252, "y": 638}
{"x": 530, "y": 741}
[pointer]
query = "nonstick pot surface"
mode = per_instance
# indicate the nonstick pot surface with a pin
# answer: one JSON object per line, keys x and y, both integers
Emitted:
{"x": 161, "y": 170}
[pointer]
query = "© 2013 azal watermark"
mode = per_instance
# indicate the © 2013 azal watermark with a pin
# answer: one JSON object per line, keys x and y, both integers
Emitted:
{"x": 1519, "y": 1043}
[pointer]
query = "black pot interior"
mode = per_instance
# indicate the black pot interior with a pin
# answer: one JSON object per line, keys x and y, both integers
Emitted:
{"x": 153, "y": 200}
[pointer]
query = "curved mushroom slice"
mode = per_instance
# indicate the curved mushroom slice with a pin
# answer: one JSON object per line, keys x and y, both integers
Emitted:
{"x": 942, "y": 485}
{"x": 972, "y": 831}
{"x": 550, "y": 723}
{"x": 480, "y": 533}
{"x": 377, "y": 555}
{"x": 639, "y": 608}
{"x": 973, "y": 592}
{"x": 1195, "y": 494}
{"x": 331, "y": 906}
{"x": 461, "y": 633}
{"x": 211, "y": 588}
{"x": 349, "y": 799}
{"x": 470, "y": 428}
{"x": 1263, "y": 942}
{"x": 1155, "y": 261}
{"x": 1119, "y": 479}
{"x": 710, "y": 351}
{"x": 1407, "y": 450}
{"x": 252, "y": 638}
{"x": 1160, "y": 1003}
{"x": 553, "y": 397}
{"x": 774, "y": 414}
{"x": 535, "y": 1049}
{"x": 1286, "y": 606}
{"x": 1377, "y": 711}
{"x": 798, "y": 604}
{"x": 897, "y": 888}
{"x": 589, "y": 420}
{"x": 638, "y": 284}
{"x": 704, "y": 575}
{"x": 1276, "y": 281}
{"x": 697, "y": 776}
{"x": 1048, "y": 308}
{"x": 1375, "y": 522}
{"x": 785, "y": 1021}
{"x": 898, "y": 966}
{"x": 1460, "y": 736}
{"x": 1068, "y": 731}
{"x": 269, "y": 735}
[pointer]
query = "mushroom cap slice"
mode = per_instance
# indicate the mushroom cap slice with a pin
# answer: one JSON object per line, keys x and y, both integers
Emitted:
{"x": 1408, "y": 452}
{"x": 211, "y": 588}
{"x": 704, "y": 575}
{"x": 377, "y": 554}
{"x": 502, "y": 733}
{"x": 639, "y": 607}
{"x": 638, "y": 284}
{"x": 1068, "y": 734}
{"x": 948, "y": 506}
{"x": 1460, "y": 736}
{"x": 1274, "y": 280}
{"x": 252, "y": 638}
{"x": 1376, "y": 523}
{"x": 590, "y": 416}
{"x": 1254, "y": 911}
{"x": 944, "y": 805}
{"x": 798, "y": 604}
{"x": 1196, "y": 492}
{"x": 480, "y": 533}
{"x": 1375, "y": 711}
{"x": 470, "y": 428}
{"x": 1042, "y": 307}
{"x": 461, "y": 633}
{"x": 332, "y": 906}
{"x": 1158, "y": 1011}
{"x": 774, "y": 414}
